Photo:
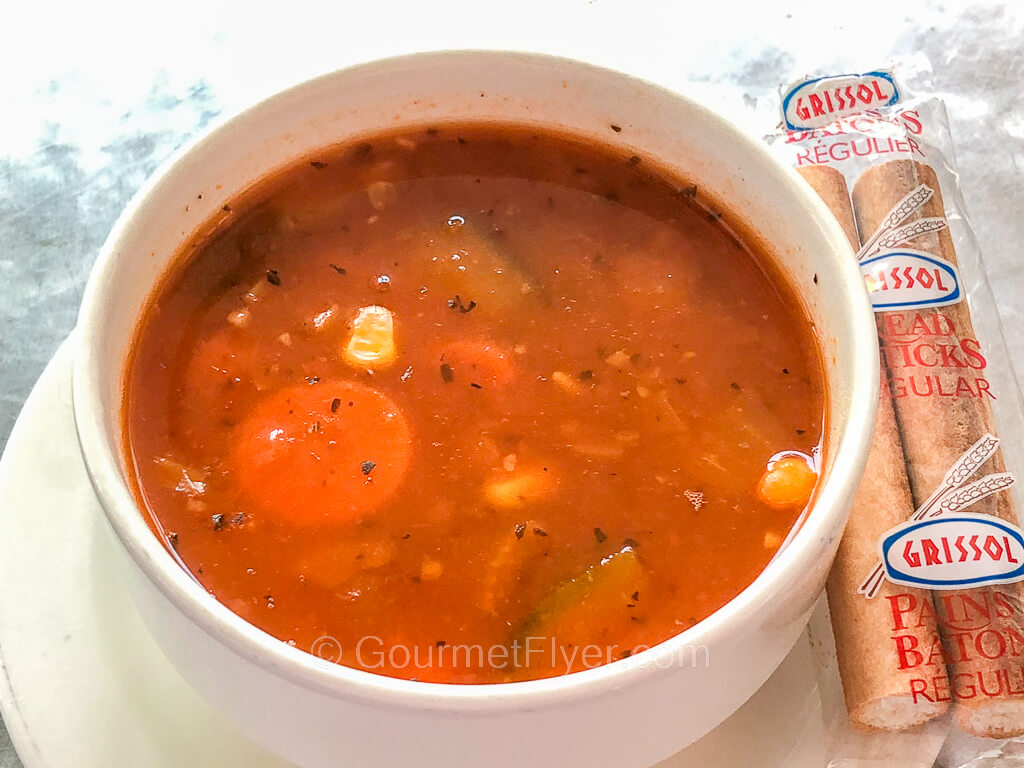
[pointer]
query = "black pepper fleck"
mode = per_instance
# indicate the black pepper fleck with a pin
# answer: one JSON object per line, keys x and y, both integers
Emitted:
{"x": 367, "y": 467}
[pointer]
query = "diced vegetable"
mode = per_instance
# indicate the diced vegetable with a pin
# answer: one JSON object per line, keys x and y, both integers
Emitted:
{"x": 477, "y": 269}
{"x": 481, "y": 362}
{"x": 322, "y": 319}
{"x": 381, "y": 194}
{"x": 601, "y": 595}
{"x": 333, "y": 565}
{"x": 618, "y": 359}
{"x": 191, "y": 482}
{"x": 501, "y": 577}
{"x": 668, "y": 415}
{"x": 431, "y": 569}
{"x": 788, "y": 482}
{"x": 523, "y": 487}
{"x": 566, "y": 382}
{"x": 239, "y": 318}
{"x": 599, "y": 450}
{"x": 372, "y": 341}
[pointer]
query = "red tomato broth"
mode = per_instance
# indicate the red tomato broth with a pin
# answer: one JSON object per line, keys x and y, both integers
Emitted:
{"x": 611, "y": 346}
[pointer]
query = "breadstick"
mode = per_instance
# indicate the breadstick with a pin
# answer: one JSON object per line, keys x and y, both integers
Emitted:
{"x": 942, "y": 407}
{"x": 875, "y": 644}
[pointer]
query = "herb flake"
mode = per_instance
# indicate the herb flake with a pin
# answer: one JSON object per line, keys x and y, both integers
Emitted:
{"x": 458, "y": 304}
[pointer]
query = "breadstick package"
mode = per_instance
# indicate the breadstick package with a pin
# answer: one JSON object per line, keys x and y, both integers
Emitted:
{"x": 925, "y": 597}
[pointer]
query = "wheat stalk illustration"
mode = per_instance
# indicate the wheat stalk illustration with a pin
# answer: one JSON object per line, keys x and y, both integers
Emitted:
{"x": 909, "y": 231}
{"x": 954, "y": 494}
{"x": 897, "y": 215}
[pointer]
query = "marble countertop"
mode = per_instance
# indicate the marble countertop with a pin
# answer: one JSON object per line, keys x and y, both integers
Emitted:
{"x": 96, "y": 95}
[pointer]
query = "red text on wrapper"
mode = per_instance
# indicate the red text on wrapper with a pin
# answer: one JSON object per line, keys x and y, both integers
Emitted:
{"x": 969, "y": 624}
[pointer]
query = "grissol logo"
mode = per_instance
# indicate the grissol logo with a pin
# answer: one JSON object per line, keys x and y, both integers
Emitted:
{"x": 907, "y": 279}
{"x": 815, "y": 102}
{"x": 953, "y": 552}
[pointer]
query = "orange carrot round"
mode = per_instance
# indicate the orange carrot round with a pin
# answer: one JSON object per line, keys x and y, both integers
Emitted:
{"x": 482, "y": 362}
{"x": 329, "y": 452}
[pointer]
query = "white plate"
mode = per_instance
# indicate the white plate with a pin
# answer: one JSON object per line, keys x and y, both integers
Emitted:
{"x": 83, "y": 685}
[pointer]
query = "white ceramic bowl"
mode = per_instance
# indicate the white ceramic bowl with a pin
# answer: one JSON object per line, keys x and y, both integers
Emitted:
{"x": 629, "y": 713}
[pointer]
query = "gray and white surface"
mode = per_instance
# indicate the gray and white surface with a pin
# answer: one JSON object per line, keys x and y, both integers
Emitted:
{"x": 94, "y": 96}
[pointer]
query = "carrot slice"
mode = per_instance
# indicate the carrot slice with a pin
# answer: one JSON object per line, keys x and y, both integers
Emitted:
{"x": 481, "y": 362}
{"x": 330, "y": 452}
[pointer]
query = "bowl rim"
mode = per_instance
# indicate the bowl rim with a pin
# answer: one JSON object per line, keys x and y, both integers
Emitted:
{"x": 818, "y": 529}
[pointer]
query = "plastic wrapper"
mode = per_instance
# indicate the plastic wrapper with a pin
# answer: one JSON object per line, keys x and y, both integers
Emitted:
{"x": 926, "y": 598}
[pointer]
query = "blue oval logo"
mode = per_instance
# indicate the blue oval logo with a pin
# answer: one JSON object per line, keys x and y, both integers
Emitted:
{"x": 907, "y": 279}
{"x": 953, "y": 552}
{"x": 815, "y": 102}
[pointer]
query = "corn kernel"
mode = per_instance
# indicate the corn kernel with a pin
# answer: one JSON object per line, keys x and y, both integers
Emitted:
{"x": 372, "y": 342}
